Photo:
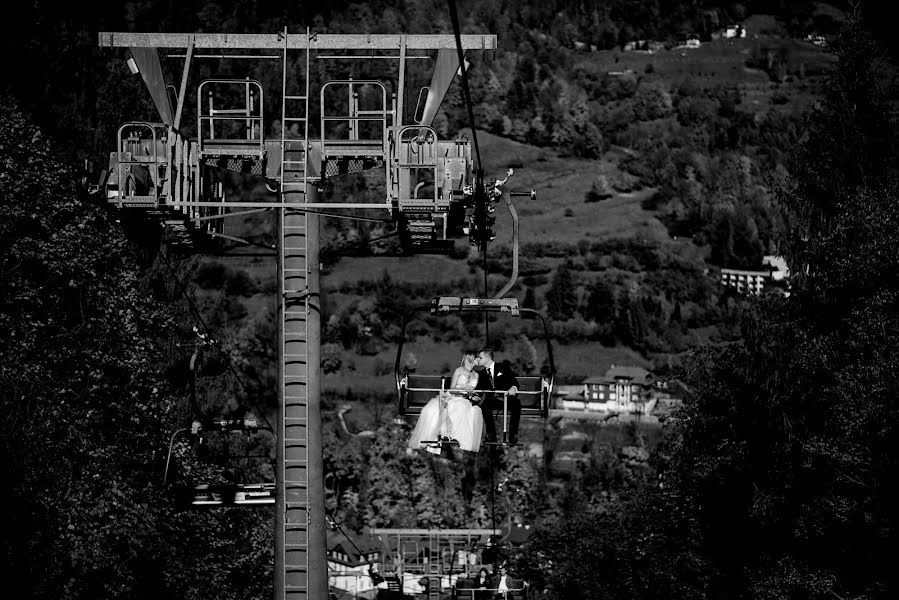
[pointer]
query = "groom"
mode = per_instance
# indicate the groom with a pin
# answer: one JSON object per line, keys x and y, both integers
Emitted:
{"x": 494, "y": 377}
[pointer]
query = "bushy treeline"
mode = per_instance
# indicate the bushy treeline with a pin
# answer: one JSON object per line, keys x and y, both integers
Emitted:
{"x": 81, "y": 94}
{"x": 374, "y": 480}
{"x": 631, "y": 292}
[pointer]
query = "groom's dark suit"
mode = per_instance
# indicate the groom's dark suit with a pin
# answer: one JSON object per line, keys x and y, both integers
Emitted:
{"x": 503, "y": 379}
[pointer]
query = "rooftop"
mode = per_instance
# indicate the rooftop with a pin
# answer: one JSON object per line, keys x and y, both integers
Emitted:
{"x": 339, "y": 543}
{"x": 635, "y": 374}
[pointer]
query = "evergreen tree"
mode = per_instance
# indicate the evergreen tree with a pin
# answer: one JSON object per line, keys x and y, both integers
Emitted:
{"x": 600, "y": 305}
{"x": 530, "y": 300}
{"x": 676, "y": 314}
{"x": 561, "y": 298}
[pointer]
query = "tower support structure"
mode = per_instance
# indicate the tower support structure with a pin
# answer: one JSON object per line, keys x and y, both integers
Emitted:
{"x": 160, "y": 170}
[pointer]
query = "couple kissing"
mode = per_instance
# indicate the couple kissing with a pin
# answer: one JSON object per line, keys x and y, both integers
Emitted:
{"x": 463, "y": 412}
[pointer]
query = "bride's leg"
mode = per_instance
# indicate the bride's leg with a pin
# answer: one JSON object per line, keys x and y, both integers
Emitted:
{"x": 458, "y": 411}
{"x": 446, "y": 422}
{"x": 476, "y": 422}
{"x": 428, "y": 424}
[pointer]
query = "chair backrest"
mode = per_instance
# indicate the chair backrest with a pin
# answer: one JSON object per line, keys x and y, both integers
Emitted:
{"x": 531, "y": 395}
{"x": 420, "y": 389}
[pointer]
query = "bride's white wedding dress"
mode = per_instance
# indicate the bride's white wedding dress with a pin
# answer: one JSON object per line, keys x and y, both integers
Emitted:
{"x": 451, "y": 415}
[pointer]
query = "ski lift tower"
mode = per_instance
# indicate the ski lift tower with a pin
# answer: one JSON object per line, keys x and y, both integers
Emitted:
{"x": 163, "y": 175}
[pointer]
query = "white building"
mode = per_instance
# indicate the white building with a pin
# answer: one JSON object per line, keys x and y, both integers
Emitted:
{"x": 349, "y": 562}
{"x": 734, "y": 31}
{"x": 745, "y": 282}
{"x": 777, "y": 266}
{"x": 621, "y": 389}
{"x": 776, "y": 275}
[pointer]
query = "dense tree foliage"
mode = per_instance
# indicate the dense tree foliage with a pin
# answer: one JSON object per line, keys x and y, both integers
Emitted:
{"x": 779, "y": 476}
{"x": 87, "y": 409}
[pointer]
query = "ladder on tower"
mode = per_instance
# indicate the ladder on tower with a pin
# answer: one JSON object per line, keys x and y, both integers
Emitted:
{"x": 293, "y": 246}
{"x": 294, "y": 130}
{"x": 435, "y": 566}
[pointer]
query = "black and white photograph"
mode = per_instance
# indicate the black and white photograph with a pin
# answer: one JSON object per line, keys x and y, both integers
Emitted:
{"x": 449, "y": 300}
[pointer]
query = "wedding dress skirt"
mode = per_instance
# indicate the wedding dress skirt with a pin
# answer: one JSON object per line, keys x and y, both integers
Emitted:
{"x": 449, "y": 415}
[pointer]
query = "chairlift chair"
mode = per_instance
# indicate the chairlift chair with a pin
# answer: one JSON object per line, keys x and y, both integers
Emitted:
{"x": 202, "y": 491}
{"x": 414, "y": 390}
{"x": 192, "y": 490}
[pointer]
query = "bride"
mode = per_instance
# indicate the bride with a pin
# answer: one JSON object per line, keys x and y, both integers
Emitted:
{"x": 450, "y": 416}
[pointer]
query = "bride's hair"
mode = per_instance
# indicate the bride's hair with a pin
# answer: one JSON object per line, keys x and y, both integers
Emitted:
{"x": 468, "y": 354}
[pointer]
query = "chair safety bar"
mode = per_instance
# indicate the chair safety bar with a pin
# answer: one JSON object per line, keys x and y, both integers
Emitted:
{"x": 463, "y": 592}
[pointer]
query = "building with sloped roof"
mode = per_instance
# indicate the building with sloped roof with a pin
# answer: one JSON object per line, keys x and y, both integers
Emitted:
{"x": 621, "y": 389}
{"x": 349, "y": 560}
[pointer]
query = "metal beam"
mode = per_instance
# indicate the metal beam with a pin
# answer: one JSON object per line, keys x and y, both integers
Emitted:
{"x": 317, "y": 205}
{"x": 444, "y": 73}
{"x": 150, "y": 69}
{"x": 318, "y": 531}
{"x": 261, "y": 41}
{"x": 182, "y": 93}
{"x": 240, "y": 240}
{"x": 229, "y": 215}
{"x": 424, "y": 532}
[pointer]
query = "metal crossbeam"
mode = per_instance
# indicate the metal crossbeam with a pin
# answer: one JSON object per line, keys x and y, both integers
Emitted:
{"x": 376, "y": 531}
{"x": 275, "y": 41}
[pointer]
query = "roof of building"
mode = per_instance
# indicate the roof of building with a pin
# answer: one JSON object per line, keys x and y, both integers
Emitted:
{"x": 635, "y": 374}
{"x": 338, "y": 542}
{"x": 568, "y": 390}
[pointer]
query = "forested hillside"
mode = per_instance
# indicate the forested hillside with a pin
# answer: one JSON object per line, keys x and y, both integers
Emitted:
{"x": 653, "y": 170}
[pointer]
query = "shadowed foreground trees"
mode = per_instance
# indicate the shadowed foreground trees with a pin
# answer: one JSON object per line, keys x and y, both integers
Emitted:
{"x": 86, "y": 411}
{"x": 780, "y": 478}
{"x": 791, "y": 444}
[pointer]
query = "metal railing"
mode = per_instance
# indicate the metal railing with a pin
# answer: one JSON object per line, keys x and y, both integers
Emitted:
{"x": 420, "y": 148}
{"x": 485, "y": 593}
{"x": 504, "y": 394}
{"x": 355, "y": 115}
{"x": 228, "y": 122}
{"x": 139, "y": 148}
{"x": 543, "y": 392}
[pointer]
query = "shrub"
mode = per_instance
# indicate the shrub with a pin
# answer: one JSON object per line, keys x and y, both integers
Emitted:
{"x": 417, "y": 328}
{"x": 211, "y": 275}
{"x": 599, "y": 190}
{"x": 233, "y": 309}
{"x": 239, "y": 283}
{"x": 382, "y": 367}
{"x": 331, "y": 357}
{"x": 625, "y": 262}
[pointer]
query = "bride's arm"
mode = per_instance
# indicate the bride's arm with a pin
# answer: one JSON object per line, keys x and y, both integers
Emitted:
{"x": 472, "y": 388}
{"x": 456, "y": 375}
